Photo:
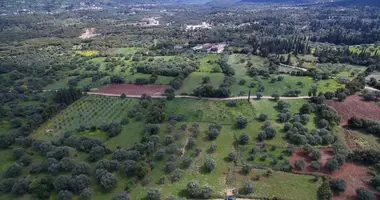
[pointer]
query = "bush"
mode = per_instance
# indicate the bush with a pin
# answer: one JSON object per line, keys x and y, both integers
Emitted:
{"x": 375, "y": 182}
{"x": 324, "y": 191}
{"x": 206, "y": 191}
{"x": 86, "y": 194}
{"x": 213, "y": 134}
{"x": 243, "y": 139}
{"x": 232, "y": 103}
{"x": 338, "y": 185}
{"x": 65, "y": 195}
{"x": 332, "y": 164}
{"x": 186, "y": 162}
{"x": 209, "y": 164}
{"x": 121, "y": 197}
{"x": 248, "y": 187}
{"x": 246, "y": 169}
{"x": 212, "y": 148}
{"x": 232, "y": 157}
{"x": 241, "y": 122}
{"x": 341, "y": 96}
{"x": 316, "y": 165}
{"x": 13, "y": 171}
{"x": 299, "y": 164}
{"x": 18, "y": 153}
{"x": 316, "y": 154}
{"x": 7, "y": 184}
{"x": 263, "y": 117}
{"x": 364, "y": 194}
{"x": 194, "y": 188}
{"x": 153, "y": 194}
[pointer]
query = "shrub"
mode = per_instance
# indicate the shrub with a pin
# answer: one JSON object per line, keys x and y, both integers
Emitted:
{"x": 243, "y": 139}
{"x": 332, "y": 164}
{"x": 232, "y": 156}
{"x": 364, "y": 194}
{"x": 324, "y": 191}
{"x": 338, "y": 185}
{"x": 248, "y": 187}
{"x": 315, "y": 165}
{"x": 263, "y": 117}
{"x": 153, "y": 194}
{"x": 194, "y": 188}
{"x": 299, "y": 164}
{"x": 206, "y": 191}
{"x": 65, "y": 195}
{"x": 241, "y": 122}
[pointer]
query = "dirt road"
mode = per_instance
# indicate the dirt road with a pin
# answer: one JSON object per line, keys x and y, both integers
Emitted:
{"x": 193, "y": 97}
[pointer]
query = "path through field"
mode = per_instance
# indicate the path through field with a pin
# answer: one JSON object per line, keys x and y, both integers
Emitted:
{"x": 194, "y": 97}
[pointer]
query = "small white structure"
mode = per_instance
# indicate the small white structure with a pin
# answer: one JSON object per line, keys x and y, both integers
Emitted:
{"x": 211, "y": 47}
{"x": 89, "y": 33}
{"x": 204, "y": 25}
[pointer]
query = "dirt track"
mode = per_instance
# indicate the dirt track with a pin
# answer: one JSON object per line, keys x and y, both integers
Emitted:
{"x": 194, "y": 97}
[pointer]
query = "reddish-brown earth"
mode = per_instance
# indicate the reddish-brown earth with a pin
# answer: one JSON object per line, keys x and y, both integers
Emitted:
{"x": 355, "y": 175}
{"x": 130, "y": 89}
{"x": 354, "y": 106}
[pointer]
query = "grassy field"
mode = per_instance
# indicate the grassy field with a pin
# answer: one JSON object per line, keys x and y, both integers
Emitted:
{"x": 161, "y": 80}
{"x": 208, "y": 63}
{"x": 288, "y": 83}
{"x": 194, "y": 80}
{"x": 266, "y": 106}
{"x": 329, "y": 85}
{"x": 284, "y": 185}
{"x": 128, "y": 50}
{"x": 209, "y": 111}
{"x": 258, "y": 61}
{"x": 62, "y": 83}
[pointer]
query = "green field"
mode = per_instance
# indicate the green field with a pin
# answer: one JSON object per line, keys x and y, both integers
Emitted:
{"x": 285, "y": 185}
{"x": 194, "y": 80}
{"x": 329, "y": 85}
{"x": 208, "y": 63}
{"x": 62, "y": 83}
{"x": 268, "y": 107}
{"x": 209, "y": 111}
{"x": 288, "y": 83}
{"x": 129, "y": 50}
{"x": 161, "y": 80}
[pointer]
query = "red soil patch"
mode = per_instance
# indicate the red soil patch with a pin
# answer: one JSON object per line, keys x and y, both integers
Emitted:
{"x": 355, "y": 175}
{"x": 130, "y": 89}
{"x": 300, "y": 154}
{"x": 354, "y": 106}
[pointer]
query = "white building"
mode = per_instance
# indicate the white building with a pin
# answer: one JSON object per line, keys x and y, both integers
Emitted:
{"x": 204, "y": 25}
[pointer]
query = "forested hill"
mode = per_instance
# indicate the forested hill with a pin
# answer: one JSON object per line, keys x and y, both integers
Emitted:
{"x": 357, "y": 2}
{"x": 285, "y": 1}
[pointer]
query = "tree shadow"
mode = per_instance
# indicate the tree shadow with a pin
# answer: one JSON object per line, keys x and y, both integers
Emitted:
{"x": 203, "y": 170}
{"x": 183, "y": 193}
